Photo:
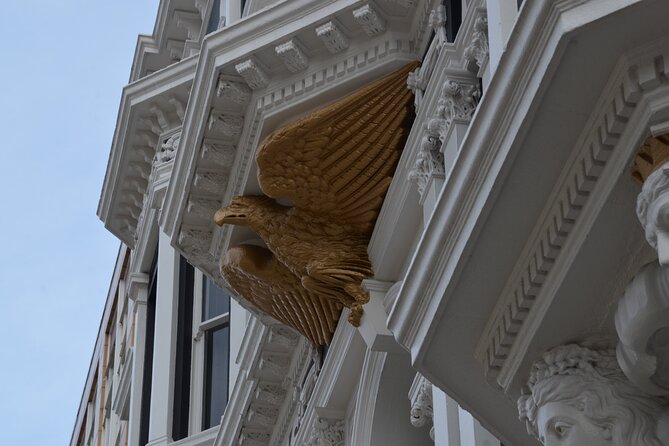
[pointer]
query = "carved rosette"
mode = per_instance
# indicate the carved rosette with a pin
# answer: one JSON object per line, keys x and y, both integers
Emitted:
{"x": 328, "y": 433}
{"x": 421, "y": 407}
{"x": 476, "y": 52}
{"x": 168, "y": 150}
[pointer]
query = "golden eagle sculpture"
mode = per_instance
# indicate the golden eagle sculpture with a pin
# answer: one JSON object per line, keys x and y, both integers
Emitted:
{"x": 334, "y": 165}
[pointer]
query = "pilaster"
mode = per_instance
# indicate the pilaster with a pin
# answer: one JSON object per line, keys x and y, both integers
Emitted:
{"x": 160, "y": 423}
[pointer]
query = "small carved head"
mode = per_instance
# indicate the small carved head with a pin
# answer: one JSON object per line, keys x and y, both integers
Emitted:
{"x": 242, "y": 210}
{"x": 579, "y": 396}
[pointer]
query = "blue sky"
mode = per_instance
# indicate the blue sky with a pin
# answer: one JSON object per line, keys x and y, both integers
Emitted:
{"x": 63, "y": 66}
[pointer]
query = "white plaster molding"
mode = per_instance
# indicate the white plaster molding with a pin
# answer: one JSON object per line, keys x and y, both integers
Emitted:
{"x": 366, "y": 397}
{"x": 429, "y": 161}
{"x": 167, "y": 149}
{"x": 642, "y": 323}
{"x": 226, "y": 124}
{"x": 370, "y": 20}
{"x": 498, "y": 349}
{"x": 291, "y": 54}
{"x": 420, "y": 396}
{"x": 328, "y": 433}
{"x": 233, "y": 89}
{"x": 209, "y": 183}
{"x": 332, "y": 37}
{"x": 458, "y": 101}
{"x": 220, "y": 154}
{"x": 137, "y": 286}
{"x": 653, "y": 211}
{"x": 190, "y": 21}
{"x": 254, "y": 75}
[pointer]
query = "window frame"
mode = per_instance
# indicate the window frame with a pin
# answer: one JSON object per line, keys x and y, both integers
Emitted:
{"x": 198, "y": 354}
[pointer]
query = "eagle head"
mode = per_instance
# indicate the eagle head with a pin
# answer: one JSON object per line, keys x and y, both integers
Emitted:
{"x": 242, "y": 210}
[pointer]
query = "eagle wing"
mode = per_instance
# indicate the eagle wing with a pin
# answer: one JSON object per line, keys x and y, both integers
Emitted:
{"x": 338, "y": 162}
{"x": 257, "y": 276}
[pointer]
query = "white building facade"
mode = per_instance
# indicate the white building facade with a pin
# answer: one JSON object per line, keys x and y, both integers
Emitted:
{"x": 520, "y": 294}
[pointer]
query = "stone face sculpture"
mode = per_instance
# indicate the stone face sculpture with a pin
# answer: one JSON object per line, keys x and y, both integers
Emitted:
{"x": 334, "y": 166}
{"x": 579, "y": 396}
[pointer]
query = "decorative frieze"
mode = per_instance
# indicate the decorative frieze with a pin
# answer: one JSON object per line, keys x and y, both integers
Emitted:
{"x": 292, "y": 55}
{"x": 477, "y": 50}
{"x": 328, "y": 433}
{"x": 332, "y": 37}
{"x": 369, "y": 20}
{"x": 233, "y": 90}
{"x": 254, "y": 75}
{"x": 226, "y": 124}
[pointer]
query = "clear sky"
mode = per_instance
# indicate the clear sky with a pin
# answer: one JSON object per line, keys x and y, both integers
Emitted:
{"x": 63, "y": 64}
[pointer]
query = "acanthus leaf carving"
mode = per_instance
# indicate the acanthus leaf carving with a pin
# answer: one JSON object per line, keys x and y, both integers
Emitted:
{"x": 369, "y": 20}
{"x": 332, "y": 37}
{"x": 254, "y": 75}
{"x": 292, "y": 56}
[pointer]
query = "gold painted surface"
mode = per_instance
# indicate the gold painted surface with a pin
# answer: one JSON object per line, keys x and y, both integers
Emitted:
{"x": 653, "y": 153}
{"x": 335, "y": 166}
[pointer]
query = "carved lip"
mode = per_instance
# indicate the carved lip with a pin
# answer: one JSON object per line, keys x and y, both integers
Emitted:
{"x": 226, "y": 215}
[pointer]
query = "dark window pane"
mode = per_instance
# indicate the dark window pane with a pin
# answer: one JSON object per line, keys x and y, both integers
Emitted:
{"x": 216, "y": 301}
{"x": 181, "y": 405}
{"x": 216, "y": 375}
{"x": 215, "y": 17}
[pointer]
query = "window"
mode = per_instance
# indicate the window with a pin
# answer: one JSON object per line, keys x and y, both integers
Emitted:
{"x": 148, "y": 353}
{"x": 216, "y": 329}
{"x": 211, "y": 353}
{"x": 183, "y": 351}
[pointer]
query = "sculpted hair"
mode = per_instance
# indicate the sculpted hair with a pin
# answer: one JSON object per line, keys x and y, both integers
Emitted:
{"x": 591, "y": 382}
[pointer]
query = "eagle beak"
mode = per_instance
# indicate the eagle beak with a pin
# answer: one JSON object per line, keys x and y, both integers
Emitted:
{"x": 227, "y": 215}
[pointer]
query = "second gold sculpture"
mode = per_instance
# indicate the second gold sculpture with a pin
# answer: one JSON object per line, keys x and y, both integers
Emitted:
{"x": 335, "y": 166}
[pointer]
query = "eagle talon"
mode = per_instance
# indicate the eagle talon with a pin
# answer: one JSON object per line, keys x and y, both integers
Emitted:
{"x": 356, "y": 314}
